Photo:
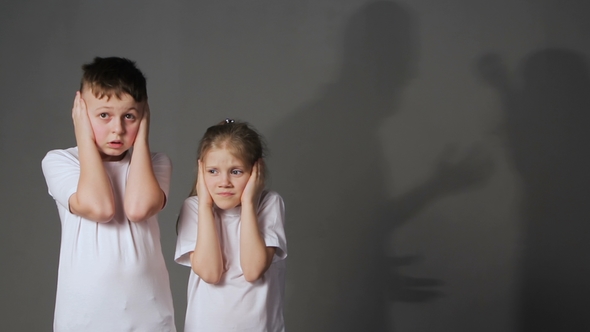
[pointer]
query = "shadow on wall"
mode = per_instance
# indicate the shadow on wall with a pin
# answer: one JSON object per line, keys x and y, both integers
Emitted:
{"x": 546, "y": 116}
{"x": 327, "y": 163}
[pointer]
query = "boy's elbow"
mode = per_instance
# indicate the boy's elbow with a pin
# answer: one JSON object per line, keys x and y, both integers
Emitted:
{"x": 102, "y": 214}
{"x": 138, "y": 213}
{"x": 104, "y": 218}
{"x": 136, "y": 217}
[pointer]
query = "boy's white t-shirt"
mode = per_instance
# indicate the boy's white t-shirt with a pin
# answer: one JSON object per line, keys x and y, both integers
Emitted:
{"x": 235, "y": 304}
{"x": 112, "y": 276}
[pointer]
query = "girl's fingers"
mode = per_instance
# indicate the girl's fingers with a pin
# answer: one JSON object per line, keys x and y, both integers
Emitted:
{"x": 255, "y": 170}
{"x": 202, "y": 190}
{"x": 261, "y": 167}
{"x": 200, "y": 175}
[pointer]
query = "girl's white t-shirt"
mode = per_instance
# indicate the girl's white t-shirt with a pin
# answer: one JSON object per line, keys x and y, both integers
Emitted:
{"x": 112, "y": 276}
{"x": 235, "y": 304}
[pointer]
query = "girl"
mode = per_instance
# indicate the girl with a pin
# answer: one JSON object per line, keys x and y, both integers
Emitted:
{"x": 231, "y": 232}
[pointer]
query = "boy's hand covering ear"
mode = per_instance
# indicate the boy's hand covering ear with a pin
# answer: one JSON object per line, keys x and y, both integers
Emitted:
{"x": 82, "y": 126}
{"x": 144, "y": 125}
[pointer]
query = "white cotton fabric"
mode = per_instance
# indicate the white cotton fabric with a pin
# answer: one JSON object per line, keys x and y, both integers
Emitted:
{"x": 235, "y": 304}
{"x": 112, "y": 276}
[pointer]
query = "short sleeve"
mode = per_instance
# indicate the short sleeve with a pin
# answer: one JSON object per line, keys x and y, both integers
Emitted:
{"x": 187, "y": 230}
{"x": 162, "y": 167}
{"x": 271, "y": 220}
{"x": 61, "y": 169}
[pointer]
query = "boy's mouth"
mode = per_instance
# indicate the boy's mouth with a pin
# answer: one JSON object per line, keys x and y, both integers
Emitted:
{"x": 115, "y": 144}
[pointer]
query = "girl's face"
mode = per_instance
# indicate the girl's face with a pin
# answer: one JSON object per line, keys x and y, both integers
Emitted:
{"x": 226, "y": 177}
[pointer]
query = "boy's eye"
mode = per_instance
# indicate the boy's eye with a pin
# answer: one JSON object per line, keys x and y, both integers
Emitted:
{"x": 129, "y": 116}
{"x": 103, "y": 115}
{"x": 236, "y": 172}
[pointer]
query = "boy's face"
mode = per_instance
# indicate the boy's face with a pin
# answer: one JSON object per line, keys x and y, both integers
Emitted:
{"x": 115, "y": 123}
{"x": 226, "y": 177}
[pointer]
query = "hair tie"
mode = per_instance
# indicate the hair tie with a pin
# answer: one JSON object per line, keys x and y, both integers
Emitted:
{"x": 228, "y": 121}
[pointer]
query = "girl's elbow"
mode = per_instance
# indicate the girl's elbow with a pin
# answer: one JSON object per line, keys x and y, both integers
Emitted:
{"x": 210, "y": 277}
{"x": 253, "y": 276}
{"x": 212, "y": 280}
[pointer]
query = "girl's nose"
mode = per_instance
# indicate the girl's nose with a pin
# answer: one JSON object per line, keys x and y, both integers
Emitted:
{"x": 224, "y": 180}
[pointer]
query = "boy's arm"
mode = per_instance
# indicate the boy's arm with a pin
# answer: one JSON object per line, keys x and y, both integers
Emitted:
{"x": 143, "y": 195}
{"x": 207, "y": 258}
{"x": 93, "y": 199}
{"x": 255, "y": 256}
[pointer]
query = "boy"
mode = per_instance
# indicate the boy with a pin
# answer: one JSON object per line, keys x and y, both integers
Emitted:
{"x": 112, "y": 275}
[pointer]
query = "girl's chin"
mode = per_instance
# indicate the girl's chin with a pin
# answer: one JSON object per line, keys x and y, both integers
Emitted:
{"x": 226, "y": 205}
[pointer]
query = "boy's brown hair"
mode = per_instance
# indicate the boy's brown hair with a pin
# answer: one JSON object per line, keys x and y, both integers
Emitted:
{"x": 114, "y": 76}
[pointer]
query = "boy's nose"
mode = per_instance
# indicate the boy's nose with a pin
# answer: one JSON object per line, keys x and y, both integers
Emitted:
{"x": 118, "y": 127}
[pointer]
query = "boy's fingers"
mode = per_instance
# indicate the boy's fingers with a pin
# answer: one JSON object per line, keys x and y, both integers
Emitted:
{"x": 146, "y": 111}
{"x": 82, "y": 103}
{"x": 76, "y": 100}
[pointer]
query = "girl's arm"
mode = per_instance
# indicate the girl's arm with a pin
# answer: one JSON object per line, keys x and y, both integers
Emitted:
{"x": 93, "y": 199}
{"x": 206, "y": 259}
{"x": 255, "y": 256}
{"x": 143, "y": 195}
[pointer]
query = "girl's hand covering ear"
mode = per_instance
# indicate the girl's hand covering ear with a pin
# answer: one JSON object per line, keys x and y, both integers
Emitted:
{"x": 205, "y": 198}
{"x": 255, "y": 184}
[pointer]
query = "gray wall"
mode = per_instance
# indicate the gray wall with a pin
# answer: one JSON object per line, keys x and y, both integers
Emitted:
{"x": 433, "y": 155}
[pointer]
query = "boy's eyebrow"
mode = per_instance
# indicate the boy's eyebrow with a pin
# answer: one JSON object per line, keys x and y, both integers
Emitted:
{"x": 111, "y": 107}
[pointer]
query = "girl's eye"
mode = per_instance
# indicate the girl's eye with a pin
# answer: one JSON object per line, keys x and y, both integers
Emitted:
{"x": 236, "y": 172}
{"x": 103, "y": 115}
{"x": 212, "y": 171}
{"x": 129, "y": 116}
